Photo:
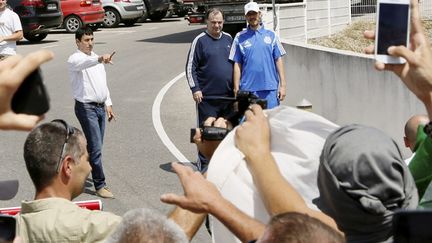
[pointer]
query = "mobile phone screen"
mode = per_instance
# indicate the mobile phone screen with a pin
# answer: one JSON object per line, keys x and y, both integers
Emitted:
{"x": 393, "y": 26}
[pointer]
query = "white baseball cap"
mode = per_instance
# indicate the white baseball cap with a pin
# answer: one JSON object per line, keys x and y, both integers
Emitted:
{"x": 251, "y": 6}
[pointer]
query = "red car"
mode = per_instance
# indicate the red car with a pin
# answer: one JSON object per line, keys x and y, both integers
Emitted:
{"x": 78, "y": 13}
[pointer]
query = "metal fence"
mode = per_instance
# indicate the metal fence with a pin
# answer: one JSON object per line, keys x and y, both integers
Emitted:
{"x": 366, "y": 9}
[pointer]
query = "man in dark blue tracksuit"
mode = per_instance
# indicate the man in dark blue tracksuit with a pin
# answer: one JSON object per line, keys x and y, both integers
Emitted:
{"x": 209, "y": 71}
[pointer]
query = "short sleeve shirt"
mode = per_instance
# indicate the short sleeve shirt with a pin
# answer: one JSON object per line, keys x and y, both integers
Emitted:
{"x": 257, "y": 52}
{"x": 9, "y": 24}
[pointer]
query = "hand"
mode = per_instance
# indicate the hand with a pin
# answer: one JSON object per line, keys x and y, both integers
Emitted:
{"x": 199, "y": 194}
{"x": 252, "y": 137}
{"x": 235, "y": 90}
{"x": 197, "y": 96}
{"x": 416, "y": 73}
{"x": 207, "y": 148}
{"x": 13, "y": 71}
{"x": 281, "y": 93}
{"x": 106, "y": 58}
{"x": 110, "y": 114}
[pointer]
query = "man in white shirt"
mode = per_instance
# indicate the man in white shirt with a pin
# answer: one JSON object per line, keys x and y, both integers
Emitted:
{"x": 10, "y": 31}
{"x": 92, "y": 100}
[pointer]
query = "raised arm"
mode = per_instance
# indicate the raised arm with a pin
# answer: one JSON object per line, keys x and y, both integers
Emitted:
{"x": 253, "y": 140}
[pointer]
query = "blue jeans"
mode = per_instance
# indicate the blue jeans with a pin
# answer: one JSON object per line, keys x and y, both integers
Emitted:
{"x": 92, "y": 119}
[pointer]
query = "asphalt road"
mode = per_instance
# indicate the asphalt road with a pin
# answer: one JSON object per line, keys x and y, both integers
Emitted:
{"x": 148, "y": 56}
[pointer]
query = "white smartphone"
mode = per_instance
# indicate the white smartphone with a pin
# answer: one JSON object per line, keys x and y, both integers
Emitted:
{"x": 392, "y": 28}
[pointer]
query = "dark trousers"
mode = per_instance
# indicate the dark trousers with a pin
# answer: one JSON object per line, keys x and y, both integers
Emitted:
{"x": 92, "y": 119}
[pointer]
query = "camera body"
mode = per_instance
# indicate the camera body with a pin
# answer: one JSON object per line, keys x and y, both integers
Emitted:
{"x": 240, "y": 104}
{"x": 31, "y": 97}
{"x": 7, "y": 228}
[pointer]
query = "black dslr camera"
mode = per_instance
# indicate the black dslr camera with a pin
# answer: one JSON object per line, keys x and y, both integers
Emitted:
{"x": 240, "y": 104}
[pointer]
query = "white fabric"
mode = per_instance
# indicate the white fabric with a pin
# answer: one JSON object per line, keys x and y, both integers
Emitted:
{"x": 88, "y": 78}
{"x": 9, "y": 24}
{"x": 297, "y": 138}
{"x": 251, "y": 6}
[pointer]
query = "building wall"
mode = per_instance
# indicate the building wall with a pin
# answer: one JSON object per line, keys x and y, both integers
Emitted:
{"x": 345, "y": 88}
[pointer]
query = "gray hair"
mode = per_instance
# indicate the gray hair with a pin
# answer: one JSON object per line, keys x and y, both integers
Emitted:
{"x": 149, "y": 226}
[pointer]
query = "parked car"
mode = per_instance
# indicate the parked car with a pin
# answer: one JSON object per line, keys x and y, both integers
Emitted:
{"x": 122, "y": 11}
{"x": 78, "y": 13}
{"x": 156, "y": 9}
{"x": 37, "y": 17}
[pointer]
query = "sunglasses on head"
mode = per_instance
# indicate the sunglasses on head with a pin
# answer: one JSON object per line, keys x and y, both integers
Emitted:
{"x": 69, "y": 132}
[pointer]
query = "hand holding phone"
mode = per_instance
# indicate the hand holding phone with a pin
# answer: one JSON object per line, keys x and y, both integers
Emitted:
{"x": 392, "y": 29}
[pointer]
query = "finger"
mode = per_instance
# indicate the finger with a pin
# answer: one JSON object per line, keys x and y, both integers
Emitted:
{"x": 21, "y": 122}
{"x": 402, "y": 51}
{"x": 380, "y": 66}
{"x": 112, "y": 54}
{"x": 415, "y": 17}
{"x": 197, "y": 137}
{"x": 248, "y": 114}
{"x": 369, "y": 34}
{"x": 369, "y": 50}
{"x": 9, "y": 62}
{"x": 182, "y": 171}
{"x": 209, "y": 121}
{"x": 171, "y": 198}
{"x": 256, "y": 109}
{"x": 220, "y": 122}
{"x": 29, "y": 63}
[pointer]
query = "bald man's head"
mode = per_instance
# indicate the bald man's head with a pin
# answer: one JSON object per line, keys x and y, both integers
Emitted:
{"x": 411, "y": 129}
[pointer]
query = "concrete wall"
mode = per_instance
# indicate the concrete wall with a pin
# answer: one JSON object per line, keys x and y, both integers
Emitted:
{"x": 345, "y": 88}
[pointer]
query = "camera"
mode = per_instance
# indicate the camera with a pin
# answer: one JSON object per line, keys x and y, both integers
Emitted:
{"x": 240, "y": 104}
{"x": 7, "y": 228}
{"x": 31, "y": 97}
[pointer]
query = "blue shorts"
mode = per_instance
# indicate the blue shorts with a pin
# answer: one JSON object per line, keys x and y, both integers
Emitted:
{"x": 270, "y": 95}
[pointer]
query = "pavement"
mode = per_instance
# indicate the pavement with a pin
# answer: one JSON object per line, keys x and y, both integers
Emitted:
{"x": 149, "y": 56}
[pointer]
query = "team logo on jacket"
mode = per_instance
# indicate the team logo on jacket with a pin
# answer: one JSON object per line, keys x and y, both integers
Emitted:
{"x": 247, "y": 44}
{"x": 267, "y": 39}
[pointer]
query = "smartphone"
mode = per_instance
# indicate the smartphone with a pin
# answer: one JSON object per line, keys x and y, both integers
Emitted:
{"x": 412, "y": 226}
{"x": 392, "y": 28}
{"x": 31, "y": 97}
{"x": 7, "y": 228}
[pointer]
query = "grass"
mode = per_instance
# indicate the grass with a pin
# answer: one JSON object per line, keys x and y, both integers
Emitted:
{"x": 351, "y": 38}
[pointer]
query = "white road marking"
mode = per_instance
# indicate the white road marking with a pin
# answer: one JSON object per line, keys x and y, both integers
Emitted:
{"x": 157, "y": 123}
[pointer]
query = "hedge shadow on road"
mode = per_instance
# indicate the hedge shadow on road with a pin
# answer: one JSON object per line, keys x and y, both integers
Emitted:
{"x": 182, "y": 37}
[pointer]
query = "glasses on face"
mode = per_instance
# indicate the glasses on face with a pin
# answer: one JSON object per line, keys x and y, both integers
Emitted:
{"x": 69, "y": 132}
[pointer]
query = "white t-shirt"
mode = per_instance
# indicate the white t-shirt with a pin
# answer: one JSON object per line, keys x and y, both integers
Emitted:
{"x": 9, "y": 24}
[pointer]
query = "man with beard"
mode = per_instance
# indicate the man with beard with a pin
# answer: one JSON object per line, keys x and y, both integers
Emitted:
{"x": 257, "y": 56}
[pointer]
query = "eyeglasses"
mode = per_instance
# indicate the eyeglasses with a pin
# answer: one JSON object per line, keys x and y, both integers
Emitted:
{"x": 69, "y": 132}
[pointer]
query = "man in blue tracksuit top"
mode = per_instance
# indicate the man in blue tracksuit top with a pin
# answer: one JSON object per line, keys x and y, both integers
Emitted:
{"x": 209, "y": 72}
{"x": 257, "y": 56}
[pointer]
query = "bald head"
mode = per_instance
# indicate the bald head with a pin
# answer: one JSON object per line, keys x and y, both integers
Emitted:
{"x": 411, "y": 129}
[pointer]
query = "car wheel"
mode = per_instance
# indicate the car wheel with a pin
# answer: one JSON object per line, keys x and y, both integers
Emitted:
{"x": 158, "y": 16}
{"x": 35, "y": 37}
{"x": 72, "y": 23}
{"x": 112, "y": 18}
{"x": 130, "y": 22}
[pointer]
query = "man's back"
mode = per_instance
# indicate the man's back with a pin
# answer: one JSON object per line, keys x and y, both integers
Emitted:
{"x": 60, "y": 220}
